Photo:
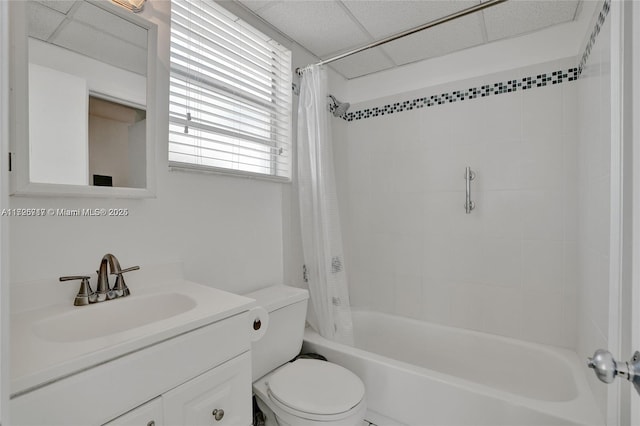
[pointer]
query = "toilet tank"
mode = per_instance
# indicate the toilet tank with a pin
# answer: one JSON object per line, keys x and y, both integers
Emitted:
{"x": 287, "y": 308}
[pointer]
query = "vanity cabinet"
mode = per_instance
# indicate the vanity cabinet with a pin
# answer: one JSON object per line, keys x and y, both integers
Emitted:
{"x": 149, "y": 414}
{"x": 221, "y": 396}
{"x": 178, "y": 381}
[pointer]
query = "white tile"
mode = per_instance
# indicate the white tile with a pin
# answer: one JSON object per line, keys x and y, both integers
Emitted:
{"x": 470, "y": 118}
{"x": 360, "y": 168}
{"x": 408, "y": 174}
{"x": 598, "y": 292}
{"x": 503, "y": 122}
{"x": 436, "y": 301}
{"x": 441, "y": 172}
{"x": 543, "y": 318}
{"x": 408, "y": 254}
{"x": 502, "y": 165}
{"x": 408, "y": 301}
{"x": 502, "y": 313}
{"x": 359, "y": 282}
{"x": 503, "y": 214}
{"x": 543, "y": 265}
{"x": 438, "y": 259}
{"x": 406, "y": 213}
{"x": 600, "y": 206}
{"x": 542, "y": 163}
{"x": 382, "y": 291}
{"x": 435, "y": 126}
{"x": 468, "y": 265}
{"x": 542, "y": 113}
{"x": 489, "y": 119}
{"x": 503, "y": 262}
{"x": 466, "y": 312}
{"x": 438, "y": 209}
{"x": 542, "y": 215}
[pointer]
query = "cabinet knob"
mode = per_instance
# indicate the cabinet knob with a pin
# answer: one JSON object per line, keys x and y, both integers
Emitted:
{"x": 151, "y": 423}
{"x": 218, "y": 414}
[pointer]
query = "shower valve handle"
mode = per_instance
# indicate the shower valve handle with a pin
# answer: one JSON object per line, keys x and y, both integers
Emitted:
{"x": 607, "y": 369}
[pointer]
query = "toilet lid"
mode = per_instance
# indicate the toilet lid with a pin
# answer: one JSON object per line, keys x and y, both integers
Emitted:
{"x": 316, "y": 387}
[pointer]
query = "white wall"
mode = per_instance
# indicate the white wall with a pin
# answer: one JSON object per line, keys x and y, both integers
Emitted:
{"x": 227, "y": 230}
{"x": 58, "y": 127}
{"x": 508, "y": 267}
{"x": 594, "y": 157}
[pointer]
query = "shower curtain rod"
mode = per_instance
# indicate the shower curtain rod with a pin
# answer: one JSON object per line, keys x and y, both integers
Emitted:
{"x": 405, "y": 33}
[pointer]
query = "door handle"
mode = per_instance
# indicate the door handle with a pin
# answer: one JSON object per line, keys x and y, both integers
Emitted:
{"x": 607, "y": 368}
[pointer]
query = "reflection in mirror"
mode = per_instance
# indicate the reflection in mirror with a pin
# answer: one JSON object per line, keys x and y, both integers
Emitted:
{"x": 87, "y": 95}
{"x": 116, "y": 144}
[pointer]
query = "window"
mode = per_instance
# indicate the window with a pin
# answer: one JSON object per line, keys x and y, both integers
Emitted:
{"x": 230, "y": 94}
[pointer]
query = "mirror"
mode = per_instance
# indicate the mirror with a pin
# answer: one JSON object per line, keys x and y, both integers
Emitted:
{"x": 90, "y": 86}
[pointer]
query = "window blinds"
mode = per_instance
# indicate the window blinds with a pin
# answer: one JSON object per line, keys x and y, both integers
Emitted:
{"x": 230, "y": 94}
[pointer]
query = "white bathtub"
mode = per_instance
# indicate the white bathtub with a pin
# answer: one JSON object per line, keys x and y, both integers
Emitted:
{"x": 423, "y": 374}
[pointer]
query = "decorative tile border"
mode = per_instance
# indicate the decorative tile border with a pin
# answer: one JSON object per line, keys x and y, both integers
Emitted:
{"x": 594, "y": 34}
{"x": 524, "y": 83}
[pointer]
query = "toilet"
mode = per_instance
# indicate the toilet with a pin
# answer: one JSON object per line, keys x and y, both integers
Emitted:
{"x": 304, "y": 392}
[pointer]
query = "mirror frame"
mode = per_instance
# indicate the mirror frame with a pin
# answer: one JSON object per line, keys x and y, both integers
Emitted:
{"x": 19, "y": 113}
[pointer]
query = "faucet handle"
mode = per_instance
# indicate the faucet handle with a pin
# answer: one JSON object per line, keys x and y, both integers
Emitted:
{"x": 120, "y": 288}
{"x": 122, "y": 271}
{"x": 85, "y": 294}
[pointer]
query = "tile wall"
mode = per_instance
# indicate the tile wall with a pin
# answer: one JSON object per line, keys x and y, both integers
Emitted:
{"x": 507, "y": 268}
{"x": 594, "y": 193}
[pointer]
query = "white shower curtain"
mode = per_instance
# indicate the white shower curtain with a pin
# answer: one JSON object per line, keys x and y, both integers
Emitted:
{"x": 320, "y": 221}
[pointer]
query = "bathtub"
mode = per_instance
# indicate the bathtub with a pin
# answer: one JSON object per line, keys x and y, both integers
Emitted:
{"x": 418, "y": 373}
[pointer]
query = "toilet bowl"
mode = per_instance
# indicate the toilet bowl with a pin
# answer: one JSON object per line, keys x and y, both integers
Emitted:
{"x": 304, "y": 392}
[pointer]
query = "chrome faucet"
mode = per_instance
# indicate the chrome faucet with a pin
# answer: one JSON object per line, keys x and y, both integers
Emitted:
{"x": 103, "y": 292}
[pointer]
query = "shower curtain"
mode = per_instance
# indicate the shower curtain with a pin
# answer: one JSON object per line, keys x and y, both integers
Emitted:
{"x": 320, "y": 221}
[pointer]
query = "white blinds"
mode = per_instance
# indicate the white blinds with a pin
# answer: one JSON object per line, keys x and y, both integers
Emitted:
{"x": 230, "y": 94}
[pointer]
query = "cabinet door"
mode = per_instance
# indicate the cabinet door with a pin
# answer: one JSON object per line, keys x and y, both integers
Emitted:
{"x": 221, "y": 396}
{"x": 149, "y": 414}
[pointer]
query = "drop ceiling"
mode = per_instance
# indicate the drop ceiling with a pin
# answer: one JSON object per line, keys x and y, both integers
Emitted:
{"x": 328, "y": 27}
{"x": 89, "y": 30}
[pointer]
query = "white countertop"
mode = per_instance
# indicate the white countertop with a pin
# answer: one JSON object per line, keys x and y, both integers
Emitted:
{"x": 36, "y": 361}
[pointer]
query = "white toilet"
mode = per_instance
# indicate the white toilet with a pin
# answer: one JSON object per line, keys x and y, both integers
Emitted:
{"x": 305, "y": 392}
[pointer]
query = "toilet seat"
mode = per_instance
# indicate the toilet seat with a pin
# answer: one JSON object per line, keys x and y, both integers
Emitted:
{"x": 316, "y": 390}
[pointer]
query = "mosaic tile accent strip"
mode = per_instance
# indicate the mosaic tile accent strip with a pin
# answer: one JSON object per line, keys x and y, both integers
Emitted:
{"x": 524, "y": 83}
{"x": 602, "y": 17}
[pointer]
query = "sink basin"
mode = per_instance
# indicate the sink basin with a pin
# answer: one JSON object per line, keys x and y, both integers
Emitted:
{"x": 114, "y": 316}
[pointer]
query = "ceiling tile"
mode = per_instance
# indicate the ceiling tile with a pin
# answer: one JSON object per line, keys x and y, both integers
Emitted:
{"x": 257, "y": 5}
{"x": 323, "y": 27}
{"x": 42, "y": 20}
{"x": 104, "y": 47}
{"x": 62, "y": 6}
{"x": 112, "y": 24}
{"x": 366, "y": 62}
{"x": 383, "y": 17}
{"x": 517, "y": 17}
{"x": 446, "y": 38}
